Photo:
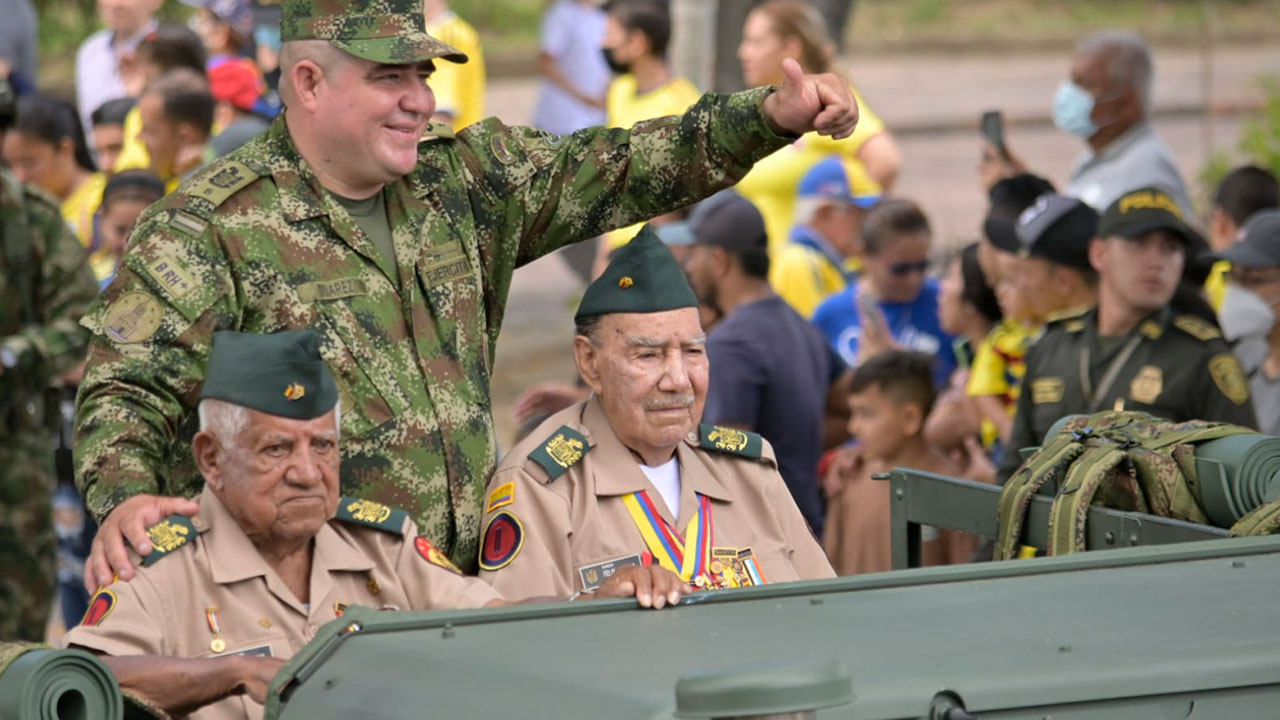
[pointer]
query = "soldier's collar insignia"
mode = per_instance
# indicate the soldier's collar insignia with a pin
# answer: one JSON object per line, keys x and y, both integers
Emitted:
{"x": 1151, "y": 329}
{"x": 100, "y": 606}
{"x": 371, "y": 514}
{"x": 438, "y": 131}
{"x": 432, "y": 554}
{"x": 502, "y": 150}
{"x": 731, "y": 441}
{"x": 561, "y": 451}
{"x": 168, "y": 535}
{"x": 295, "y": 391}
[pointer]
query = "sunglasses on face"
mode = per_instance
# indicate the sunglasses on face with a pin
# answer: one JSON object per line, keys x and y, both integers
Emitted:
{"x": 908, "y": 268}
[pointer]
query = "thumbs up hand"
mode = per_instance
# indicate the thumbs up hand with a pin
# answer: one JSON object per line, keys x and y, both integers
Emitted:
{"x": 811, "y": 102}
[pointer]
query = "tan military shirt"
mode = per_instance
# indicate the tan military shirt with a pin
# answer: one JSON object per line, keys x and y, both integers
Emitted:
{"x": 165, "y": 609}
{"x": 574, "y": 526}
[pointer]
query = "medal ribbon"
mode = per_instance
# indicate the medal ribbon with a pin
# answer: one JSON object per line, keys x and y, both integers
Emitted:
{"x": 211, "y": 614}
{"x": 688, "y": 556}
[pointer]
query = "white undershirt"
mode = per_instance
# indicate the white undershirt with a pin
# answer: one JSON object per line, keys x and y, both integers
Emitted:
{"x": 666, "y": 478}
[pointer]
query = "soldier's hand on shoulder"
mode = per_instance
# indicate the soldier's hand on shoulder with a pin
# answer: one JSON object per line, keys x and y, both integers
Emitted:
{"x": 652, "y": 587}
{"x": 129, "y": 521}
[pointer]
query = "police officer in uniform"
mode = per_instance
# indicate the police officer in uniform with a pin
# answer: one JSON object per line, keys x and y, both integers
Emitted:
{"x": 629, "y": 477}
{"x": 274, "y": 552}
{"x": 45, "y": 287}
{"x": 398, "y": 252}
{"x": 1134, "y": 351}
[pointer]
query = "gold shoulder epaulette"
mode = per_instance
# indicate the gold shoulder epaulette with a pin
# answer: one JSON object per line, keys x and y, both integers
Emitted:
{"x": 168, "y": 535}
{"x": 1196, "y": 327}
{"x": 371, "y": 514}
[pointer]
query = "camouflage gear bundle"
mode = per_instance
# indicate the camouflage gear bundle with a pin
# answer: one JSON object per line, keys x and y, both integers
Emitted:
{"x": 1140, "y": 463}
{"x": 45, "y": 286}
{"x": 254, "y": 243}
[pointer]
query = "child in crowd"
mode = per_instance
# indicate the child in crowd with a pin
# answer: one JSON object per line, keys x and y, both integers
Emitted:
{"x": 127, "y": 194}
{"x": 890, "y": 396}
{"x": 107, "y": 130}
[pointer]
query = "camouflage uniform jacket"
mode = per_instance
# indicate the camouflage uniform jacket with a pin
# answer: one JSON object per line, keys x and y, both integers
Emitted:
{"x": 45, "y": 287}
{"x": 254, "y": 243}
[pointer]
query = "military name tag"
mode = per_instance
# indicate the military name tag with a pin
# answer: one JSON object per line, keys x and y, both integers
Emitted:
{"x": 593, "y": 576}
{"x": 1047, "y": 390}
{"x": 259, "y": 651}
{"x": 443, "y": 263}
{"x": 331, "y": 289}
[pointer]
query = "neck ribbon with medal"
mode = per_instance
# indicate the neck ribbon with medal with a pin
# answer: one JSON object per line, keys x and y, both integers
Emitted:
{"x": 692, "y": 555}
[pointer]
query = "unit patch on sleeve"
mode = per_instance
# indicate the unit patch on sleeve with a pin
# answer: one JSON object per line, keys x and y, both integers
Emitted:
{"x": 503, "y": 538}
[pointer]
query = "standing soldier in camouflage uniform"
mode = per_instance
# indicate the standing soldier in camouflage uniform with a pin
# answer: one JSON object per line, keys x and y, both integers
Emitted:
{"x": 45, "y": 287}
{"x": 399, "y": 252}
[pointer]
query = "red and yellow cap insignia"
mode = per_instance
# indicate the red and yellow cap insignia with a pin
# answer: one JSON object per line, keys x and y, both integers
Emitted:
{"x": 295, "y": 391}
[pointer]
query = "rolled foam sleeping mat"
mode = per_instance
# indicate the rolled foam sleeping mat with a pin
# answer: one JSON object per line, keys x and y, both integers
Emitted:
{"x": 1250, "y": 477}
{"x": 40, "y": 683}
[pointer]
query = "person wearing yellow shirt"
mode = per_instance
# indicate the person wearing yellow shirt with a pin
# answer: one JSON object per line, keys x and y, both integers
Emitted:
{"x": 459, "y": 88}
{"x": 781, "y": 29}
{"x": 46, "y": 147}
{"x": 635, "y": 47}
{"x": 170, "y": 47}
{"x": 822, "y": 254}
{"x": 1242, "y": 192}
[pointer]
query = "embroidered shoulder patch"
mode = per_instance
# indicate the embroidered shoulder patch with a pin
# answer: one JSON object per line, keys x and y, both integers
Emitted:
{"x": 1196, "y": 328}
{"x": 1227, "y": 374}
{"x": 731, "y": 441}
{"x": 503, "y": 538}
{"x": 432, "y": 554}
{"x": 560, "y": 452}
{"x": 168, "y": 535}
{"x": 224, "y": 183}
{"x": 100, "y": 606}
{"x": 371, "y": 514}
{"x": 503, "y": 495}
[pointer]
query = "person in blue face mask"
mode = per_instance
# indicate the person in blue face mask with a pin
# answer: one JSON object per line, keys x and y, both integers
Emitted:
{"x": 1106, "y": 102}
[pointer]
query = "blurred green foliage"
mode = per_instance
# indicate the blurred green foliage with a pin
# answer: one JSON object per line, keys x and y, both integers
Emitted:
{"x": 1259, "y": 143}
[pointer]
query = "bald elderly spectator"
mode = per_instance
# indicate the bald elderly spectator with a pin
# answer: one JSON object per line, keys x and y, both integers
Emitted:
{"x": 629, "y": 477}
{"x": 226, "y": 597}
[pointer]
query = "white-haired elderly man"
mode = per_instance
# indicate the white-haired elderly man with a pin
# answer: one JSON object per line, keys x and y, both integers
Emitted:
{"x": 274, "y": 552}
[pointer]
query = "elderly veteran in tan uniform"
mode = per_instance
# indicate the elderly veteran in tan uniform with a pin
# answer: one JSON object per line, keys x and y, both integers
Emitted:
{"x": 274, "y": 552}
{"x": 629, "y": 477}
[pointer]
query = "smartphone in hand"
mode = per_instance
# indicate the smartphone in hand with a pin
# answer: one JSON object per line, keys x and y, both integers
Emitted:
{"x": 992, "y": 125}
{"x": 872, "y": 318}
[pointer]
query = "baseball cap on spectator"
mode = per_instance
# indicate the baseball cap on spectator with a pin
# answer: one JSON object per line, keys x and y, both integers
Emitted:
{"x": 1151, "y": 208}
{"x": 238, "y": 82}
{"x": 236, "y": 13}
{"x": 730, "y": 221}
{"x": 676, "y": 234}
{"x": 833, "y": 179}
{"x": 1009, "y": 197}
{"x": 1059, "y": 230}
{"x": 1259, "y": 244}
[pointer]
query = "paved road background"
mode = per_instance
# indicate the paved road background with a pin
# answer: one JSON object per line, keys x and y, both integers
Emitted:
{"x": 932, "y": 103}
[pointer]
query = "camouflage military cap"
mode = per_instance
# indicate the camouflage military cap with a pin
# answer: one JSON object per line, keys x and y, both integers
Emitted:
{"x": 642, "y": 277}
{"x": 279, "y": 374}
{"x": 384, "y": 31}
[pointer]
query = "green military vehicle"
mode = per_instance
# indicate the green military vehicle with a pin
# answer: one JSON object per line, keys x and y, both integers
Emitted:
{"x": 1175, "y": 620}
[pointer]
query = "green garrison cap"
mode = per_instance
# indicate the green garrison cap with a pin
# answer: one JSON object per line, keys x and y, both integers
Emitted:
{"x": 384, "y": 31}
{"x": 280, "y": 374}
{"x": 642, "y": 277}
